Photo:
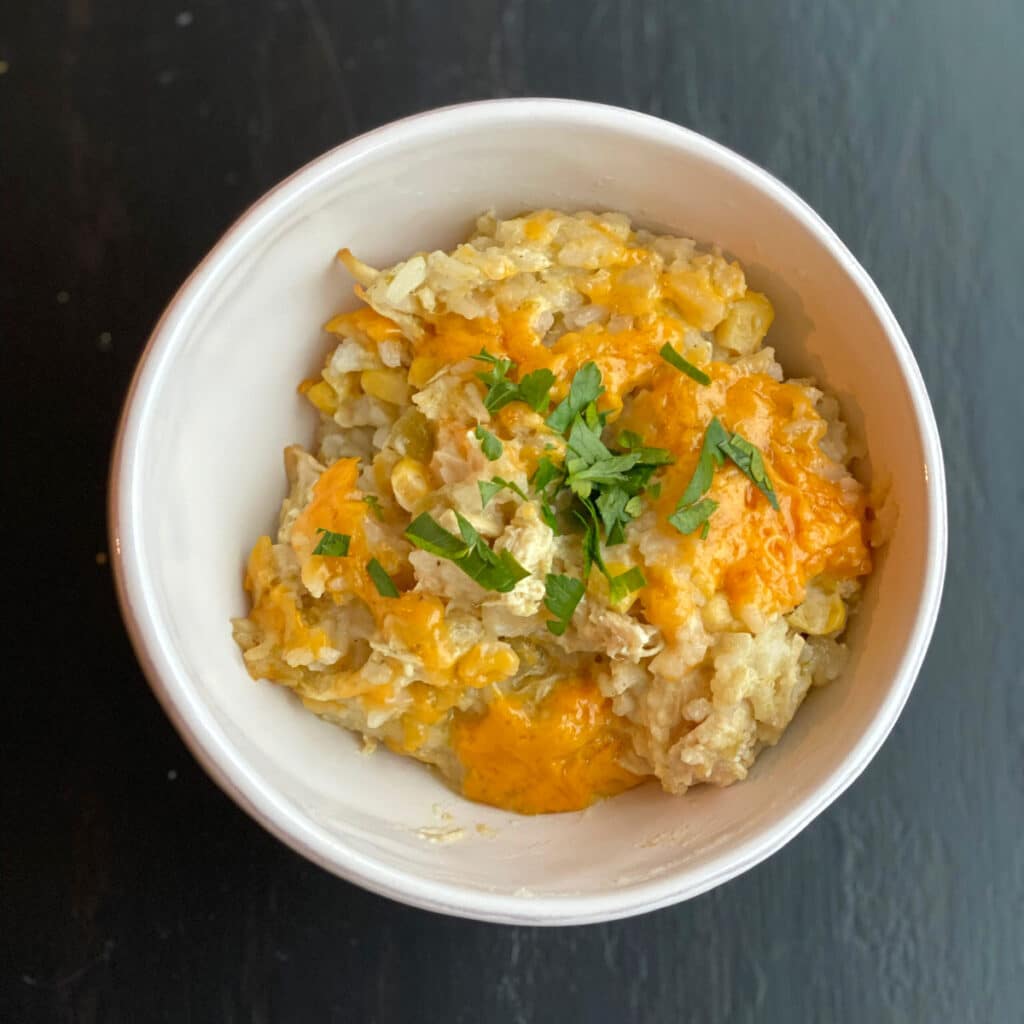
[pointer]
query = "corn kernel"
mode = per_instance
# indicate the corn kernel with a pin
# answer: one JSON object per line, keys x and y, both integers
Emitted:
{"x": 822, "y": 612}
{"x": 387, "y": 385}
{"x": 693, "y": 293}
{"x": 383, "y": 463}
{"x": 488, "y": 662}
{"x": 746, "y": 324}
{"x": 322, "y": 395}
{"x": 410, "y": 483}
{"x": 836, "y": 615}
{"x": 422, "y": 369}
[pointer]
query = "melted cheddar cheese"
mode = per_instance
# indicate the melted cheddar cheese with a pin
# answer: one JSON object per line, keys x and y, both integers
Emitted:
{"x": 560, "y": 754}
{"x": 753, "y": 553}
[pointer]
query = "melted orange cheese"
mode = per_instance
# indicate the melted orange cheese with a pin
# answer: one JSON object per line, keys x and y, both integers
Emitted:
{"x": 560, "y": 755}
{"x": 663, "y": 305}
{"x": 414, "y": 621}
{"x": 755, "y": 554}
{"x": 275, "y": 606}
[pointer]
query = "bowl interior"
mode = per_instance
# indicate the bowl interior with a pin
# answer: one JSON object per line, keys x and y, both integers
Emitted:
{"x": 202, "y": 476}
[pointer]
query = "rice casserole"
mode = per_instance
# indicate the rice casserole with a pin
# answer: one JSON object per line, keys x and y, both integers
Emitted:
{"x": 566, "y": 525}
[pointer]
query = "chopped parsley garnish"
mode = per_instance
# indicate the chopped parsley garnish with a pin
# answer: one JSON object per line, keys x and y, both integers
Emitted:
{"x": 748, "y": 459}
{"x": 693, "y": 517}
{"x": 489, "y": 444}
{"x": 546, "y": 472}
{"x": 547, "y": 513}
{"x": 710, "y": 457}
{"x": 585, "y": 388}
{"x": 694, "y": 510}
{"x": 381, "y": 580}
{"x": 500, "y": 390}
{"x": 486, "y": 357}
{"x": 586, "y": 516}
{"x": 374, "y": 502}
{"x": 604, "y": 486}
{"x": 498, "y": 571}
{"x": 532, "y": 389}
{"x": 561, "y": 595}
{"x": 489, "y": 488}
{"x": 611, "y": 507}
{"x": 621, "y": 586}
{"x": 331, "y": 544}
{"x": 671, "y": 356}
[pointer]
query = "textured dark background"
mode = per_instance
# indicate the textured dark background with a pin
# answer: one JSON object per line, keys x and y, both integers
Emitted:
{"x": 131, "y": 134}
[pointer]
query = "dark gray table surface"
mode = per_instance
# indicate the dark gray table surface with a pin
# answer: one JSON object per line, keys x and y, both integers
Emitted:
{"x": 131, "y": 134}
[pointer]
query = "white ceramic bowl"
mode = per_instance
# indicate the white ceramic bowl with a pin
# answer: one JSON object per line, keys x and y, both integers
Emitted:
{"x": 197, "y": 475}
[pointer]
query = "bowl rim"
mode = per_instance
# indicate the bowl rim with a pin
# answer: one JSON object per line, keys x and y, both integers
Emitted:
{"x": 196, "y": 724}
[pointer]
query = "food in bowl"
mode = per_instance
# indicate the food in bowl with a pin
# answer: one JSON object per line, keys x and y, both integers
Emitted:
{"x": 566, "y": 526}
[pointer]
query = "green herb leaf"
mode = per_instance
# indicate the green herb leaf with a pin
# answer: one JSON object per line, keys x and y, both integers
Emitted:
{"x": 710, "y": 457}
{"x": 692, "y": 513}
{"x": 500, "y": 390}
{"x": 690, "y": 517}
{"x": 467, "y": 529}
{"x": 584, "y": 389}
{"x": 374, "y": 502}
{"x": 655, "y": 491}
{"x": 546, "y": 472}
{"x": 654, "y": 456}
{"x": 606, "y": 485}
{"x": 747, "y": 457}
{"x": 381, "y": 580}
{"x": 485, "y": 357}
{"x": 430, "y": 536}
{"x": 611, "y": 506}
{"x": 586, "y": 443}
{"x": 593, "y": 419}
{"x": 489, "y": 444}
{"x": 501, "y": 393}
{"x": 561, "y": 596}
{"x": 498, "y": 572}
{"x": 493, "y": 571}
{"x": 610, "y": 470}
{"x": 671, "y": 356}
{"x": 534, "y": 389}
{"x": 514, "y": 488}
{"x": 489, "y": 488}
{"x": 634, "y": 506}
{"x": 704, "y": 530}
{"x": 588, "y": 518}
{"x": 333, "y": 545}
{"x": 624, "y": 584}
{"x": 547, "y": 513}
